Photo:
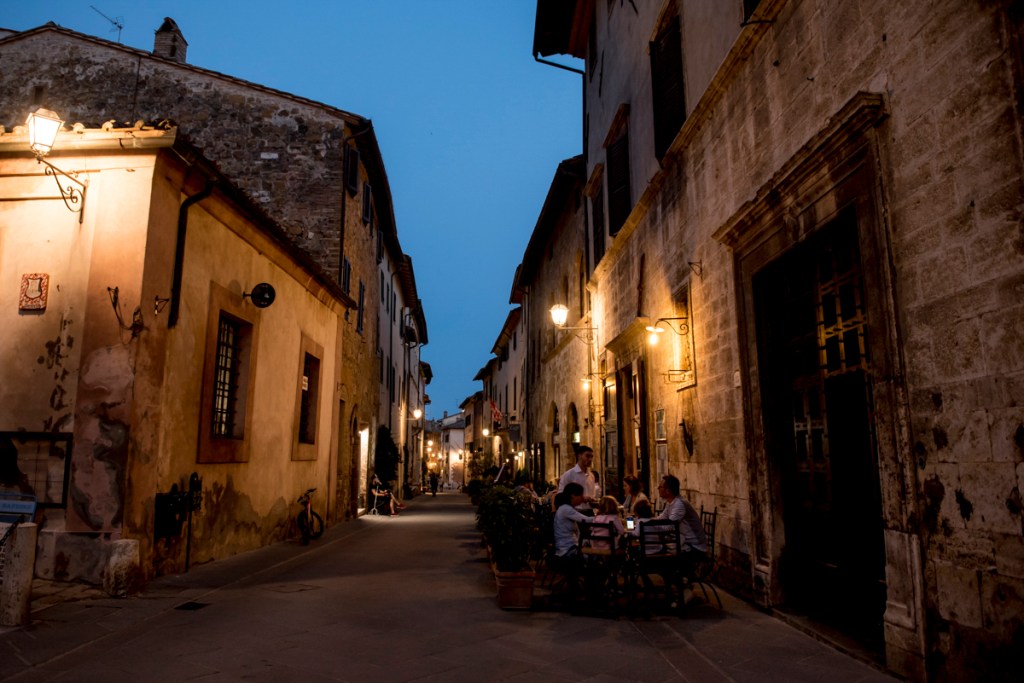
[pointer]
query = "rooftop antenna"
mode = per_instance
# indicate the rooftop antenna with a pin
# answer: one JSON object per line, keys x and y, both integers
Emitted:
{"x": 118, "y": 22}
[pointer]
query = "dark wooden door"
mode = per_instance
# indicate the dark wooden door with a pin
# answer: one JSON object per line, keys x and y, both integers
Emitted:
{"x": 814, "y": 358}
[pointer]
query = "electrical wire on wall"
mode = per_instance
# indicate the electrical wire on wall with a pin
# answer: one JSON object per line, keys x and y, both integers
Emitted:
{"x": 136, "y": 325}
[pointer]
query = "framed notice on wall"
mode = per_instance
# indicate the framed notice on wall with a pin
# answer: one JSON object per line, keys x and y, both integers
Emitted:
{"x": 34, "y": 289}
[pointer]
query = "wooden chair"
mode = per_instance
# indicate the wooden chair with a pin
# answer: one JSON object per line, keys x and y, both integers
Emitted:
{"x": 658, "y": 554}
{"x": 704, "y": 571}
{"x": 601, "y": 555}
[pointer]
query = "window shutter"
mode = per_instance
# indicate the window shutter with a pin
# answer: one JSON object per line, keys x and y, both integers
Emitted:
{"x": 367, "y": 204}
{"x": 667, "y": 86}
{"x": 619, "y": 202}
{"x": 351, "y": 170}
{"x": 362, "y": 295}
{"x": 597, "y": 216}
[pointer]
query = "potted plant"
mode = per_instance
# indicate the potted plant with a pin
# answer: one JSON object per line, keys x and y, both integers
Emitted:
{"x": 509, "y": 524}
{"x": 473, "y": 489}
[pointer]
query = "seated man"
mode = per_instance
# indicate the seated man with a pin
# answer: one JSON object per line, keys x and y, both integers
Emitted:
{"x": 677, "y": 508}
{"x": 691, "y": 530}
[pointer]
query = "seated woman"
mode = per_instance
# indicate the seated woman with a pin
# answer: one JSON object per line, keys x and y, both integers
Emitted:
{"x": 380, "y": 491}
{"x": 634, "y": 494}
{"x": 566, "y": 518}
{"x": 607, "y": 513}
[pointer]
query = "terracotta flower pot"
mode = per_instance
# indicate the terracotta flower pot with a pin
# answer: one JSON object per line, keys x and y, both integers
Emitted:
{"x": 515, "y": 589}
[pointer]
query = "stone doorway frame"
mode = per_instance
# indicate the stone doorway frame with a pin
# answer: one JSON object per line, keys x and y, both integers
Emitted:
{"x": 844, "y": 163}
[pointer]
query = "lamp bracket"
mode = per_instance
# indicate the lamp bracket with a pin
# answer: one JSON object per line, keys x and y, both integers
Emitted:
{"x": 73, "y": 196}
{"x": 584, "y": 334}
{"x": 679, "y": 325}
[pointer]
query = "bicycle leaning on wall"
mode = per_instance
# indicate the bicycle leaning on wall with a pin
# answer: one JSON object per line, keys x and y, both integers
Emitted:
{"x": 311, "y": 525}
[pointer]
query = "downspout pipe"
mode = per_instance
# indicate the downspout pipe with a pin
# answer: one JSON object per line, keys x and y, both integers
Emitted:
{"x": 179, "y": 250}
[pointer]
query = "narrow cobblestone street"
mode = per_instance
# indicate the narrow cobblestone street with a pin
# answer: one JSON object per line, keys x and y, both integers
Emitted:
{"x": 418, "y": 584}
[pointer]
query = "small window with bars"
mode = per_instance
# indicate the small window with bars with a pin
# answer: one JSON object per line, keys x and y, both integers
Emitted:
{"x": 228, "y": 390}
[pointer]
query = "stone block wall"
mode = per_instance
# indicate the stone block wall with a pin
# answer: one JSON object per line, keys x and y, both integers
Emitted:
{"x": 948, "y": 183}
{"x": 284, "y": 151}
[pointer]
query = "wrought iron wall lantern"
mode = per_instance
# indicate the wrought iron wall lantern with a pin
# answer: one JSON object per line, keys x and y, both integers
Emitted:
{"x": 43, "y": 126}
{"x": 559, "y": 315}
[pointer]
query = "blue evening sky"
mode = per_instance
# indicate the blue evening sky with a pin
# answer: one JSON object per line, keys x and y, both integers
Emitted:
{"x": 470, "y": 126}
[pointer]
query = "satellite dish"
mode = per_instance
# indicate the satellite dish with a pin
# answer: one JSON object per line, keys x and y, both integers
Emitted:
{"x": 262, "y": 295}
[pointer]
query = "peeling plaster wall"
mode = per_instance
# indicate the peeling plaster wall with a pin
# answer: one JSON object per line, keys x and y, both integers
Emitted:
{"x": 136, "y": 399}
{"x": 246, "y": 504}
{"x": 80, "y": 381}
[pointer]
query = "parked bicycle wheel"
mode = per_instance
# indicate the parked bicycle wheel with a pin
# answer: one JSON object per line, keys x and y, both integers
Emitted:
{"x": 310, "y": 529}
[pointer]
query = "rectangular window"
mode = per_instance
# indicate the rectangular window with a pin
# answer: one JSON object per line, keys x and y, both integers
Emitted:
{"x": 351, "y": 170}
{"x": 380, "y": 246}
{"x": 228, "y": 378}
{"x": 668, "y": 94}
{"x": 367, "y": 203}
{"x": 359, "y": 317}
{"x": 597, "y": 221}
{"x": 308, "y": 395}
{"x": 226, "y": 422}
{"x": 346, "y": 275}
{"x": 619, "y": 197}
{"x": 391, "y": 385}
{"x": 307, "y": 400}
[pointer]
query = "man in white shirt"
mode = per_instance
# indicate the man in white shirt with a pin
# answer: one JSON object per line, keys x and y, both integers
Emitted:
{"x": 582, "y": 475}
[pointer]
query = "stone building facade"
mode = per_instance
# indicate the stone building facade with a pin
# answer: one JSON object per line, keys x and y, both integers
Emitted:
{"x": 561, "y": 412}
{"x": 820, "y": 203}
{"x": 505, "y": 389}
{"x": 315, "y": 169}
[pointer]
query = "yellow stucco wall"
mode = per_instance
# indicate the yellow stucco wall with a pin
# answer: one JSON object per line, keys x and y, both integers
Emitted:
{"x": 132, "y": 399}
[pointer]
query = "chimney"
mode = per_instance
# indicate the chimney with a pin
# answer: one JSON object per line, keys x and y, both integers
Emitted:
{"x": 169, "y": 43}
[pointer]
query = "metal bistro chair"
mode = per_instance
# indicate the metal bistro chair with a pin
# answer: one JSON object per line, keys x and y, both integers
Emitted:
{"x": 602, "y": 557}
{"x": 704, "y": 571}
{"x": 659, "y": 556}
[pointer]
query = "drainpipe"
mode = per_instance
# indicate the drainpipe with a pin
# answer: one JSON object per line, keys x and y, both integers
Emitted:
{"x": 179, "y": 250}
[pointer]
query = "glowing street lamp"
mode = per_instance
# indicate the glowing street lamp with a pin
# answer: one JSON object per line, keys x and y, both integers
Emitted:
{"x": 559, "y": 314}
{"x": 43, "y": 126}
